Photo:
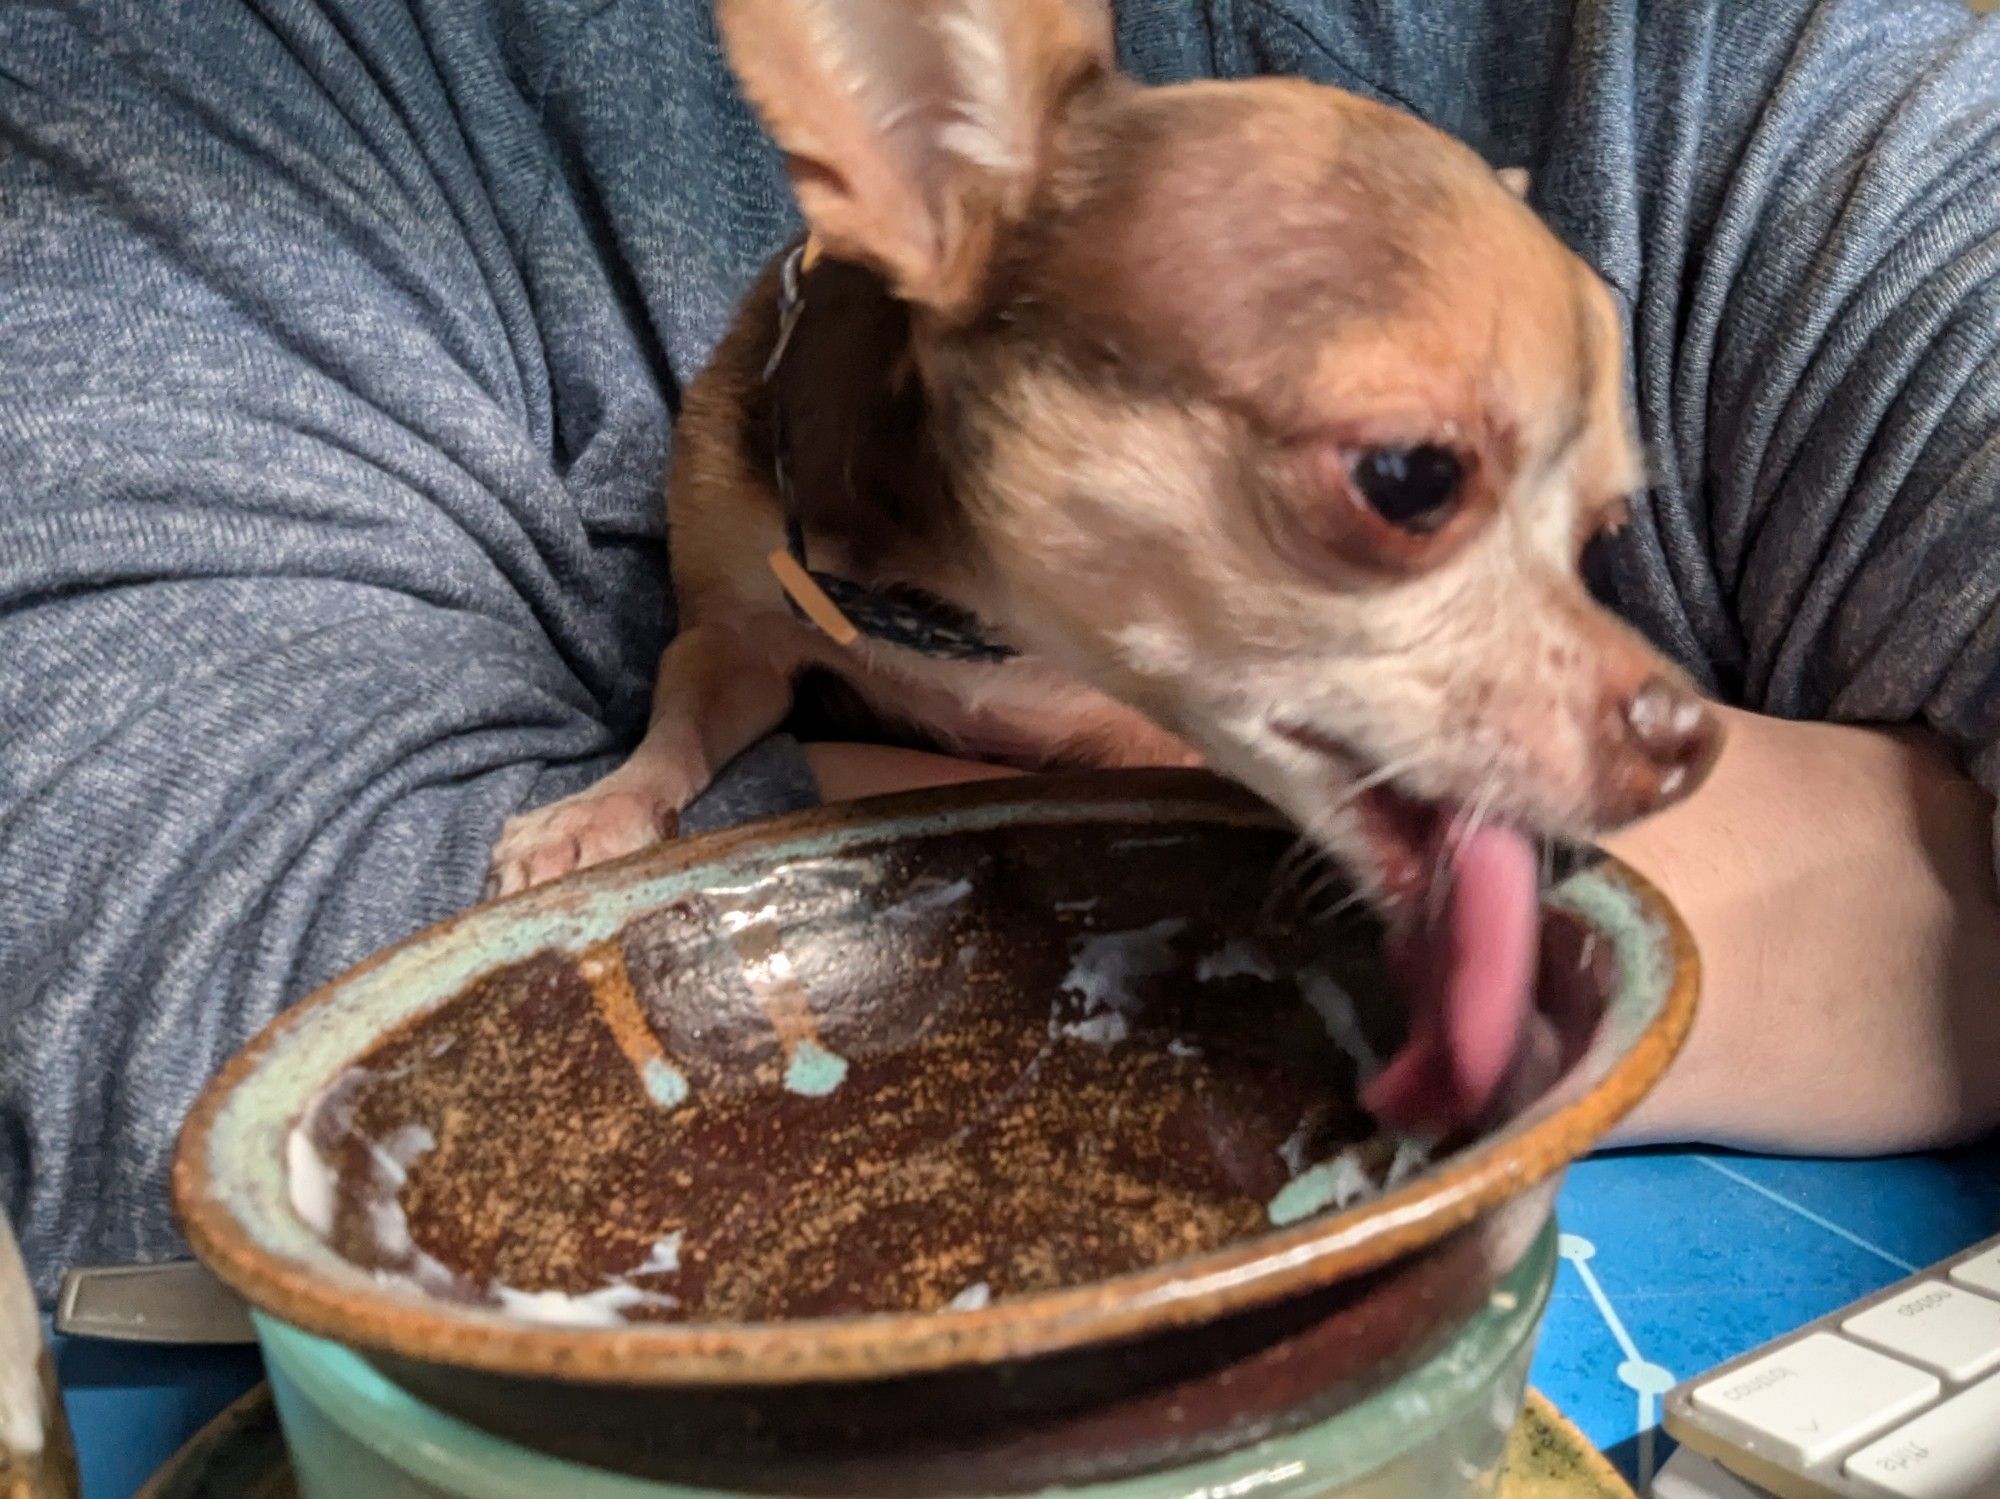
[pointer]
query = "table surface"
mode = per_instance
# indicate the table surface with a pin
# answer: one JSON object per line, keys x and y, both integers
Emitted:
{"x": 1673, "y": 1261}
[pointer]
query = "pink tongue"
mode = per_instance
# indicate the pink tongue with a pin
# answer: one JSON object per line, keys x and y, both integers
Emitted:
{"x": 1469, "y": 982}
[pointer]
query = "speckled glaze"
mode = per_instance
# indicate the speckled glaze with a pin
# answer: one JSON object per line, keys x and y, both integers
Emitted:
{"x": 977, "y": 1137}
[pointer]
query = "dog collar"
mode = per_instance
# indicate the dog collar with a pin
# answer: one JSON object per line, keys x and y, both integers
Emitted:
{"x": 840, "y": 607}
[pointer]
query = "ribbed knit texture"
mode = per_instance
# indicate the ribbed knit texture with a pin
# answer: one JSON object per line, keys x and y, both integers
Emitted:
{"x": 340, "y": 347}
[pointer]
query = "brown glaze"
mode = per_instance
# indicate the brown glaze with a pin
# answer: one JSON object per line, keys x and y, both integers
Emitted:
{"x": 1139, "y": 1405}
{"x": 1114, "y": 1197}
{"x": 890, "y": 1096}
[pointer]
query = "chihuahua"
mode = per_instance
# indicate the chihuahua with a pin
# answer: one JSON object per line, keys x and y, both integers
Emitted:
{"x": 1250, "y": 424}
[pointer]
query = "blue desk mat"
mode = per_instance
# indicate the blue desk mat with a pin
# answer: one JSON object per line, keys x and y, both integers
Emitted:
{"x": 1673, "y": 1261}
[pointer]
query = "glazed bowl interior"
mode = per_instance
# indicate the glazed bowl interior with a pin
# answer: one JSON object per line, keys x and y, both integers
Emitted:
{"x": 928, "y": 1083}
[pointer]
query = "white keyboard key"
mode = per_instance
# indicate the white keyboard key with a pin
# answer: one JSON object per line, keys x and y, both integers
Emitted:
{"x": 1949, "y": 1452}
{"x": 1979, "y": 1273}
{"x": 1954, "y": 1332}
{"x": 1689, "y": 1475}
{"x": 1814, "y": 1397}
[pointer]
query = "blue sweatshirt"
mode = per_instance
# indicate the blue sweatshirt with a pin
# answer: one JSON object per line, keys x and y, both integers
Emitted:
{"x": 341, "y": 343}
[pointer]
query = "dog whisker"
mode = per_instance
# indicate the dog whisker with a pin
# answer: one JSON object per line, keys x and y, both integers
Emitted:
{"x": 1305, "y": 873}
{"x": 1288, "y": 877}
{"x": 1338, "y": 909}
{"x": 1470, "y": 819}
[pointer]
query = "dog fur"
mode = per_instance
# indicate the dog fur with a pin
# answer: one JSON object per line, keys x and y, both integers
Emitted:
{"x": 1099, "y": 362}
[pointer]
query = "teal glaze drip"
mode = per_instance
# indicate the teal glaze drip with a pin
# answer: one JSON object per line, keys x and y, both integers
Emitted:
{"x": 814, "y": 1071}
{"x": 1312, "y": 1189}
{"x": 665, "y": 1084}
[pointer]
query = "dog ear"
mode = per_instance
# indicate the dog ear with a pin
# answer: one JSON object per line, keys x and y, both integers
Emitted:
{"x": 915, "y": 130}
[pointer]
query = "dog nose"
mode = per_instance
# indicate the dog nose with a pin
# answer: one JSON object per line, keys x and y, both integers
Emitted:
{"x": 1675, "y": 732}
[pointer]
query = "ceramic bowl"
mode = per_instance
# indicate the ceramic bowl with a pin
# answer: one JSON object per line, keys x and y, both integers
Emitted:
{"x": 982, "y": 1140}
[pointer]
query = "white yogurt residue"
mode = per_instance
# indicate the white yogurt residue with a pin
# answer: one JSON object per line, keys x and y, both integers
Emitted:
{"x": 664, "y": 1260}
{"x": 1336, "y": 1010}
{"x": 1341, "y": 1180}
{"x": 313, "y": 1184}
{"x": 1103, "y": 971}
{"x": 309, "y": 1181}
{"x": 928, "y": 896}
{"x": 1412, "y": 1156}
{"x": 972, "y": 1298}
{"x": 1292, "y": 1149}
{"x": 1107, "y": 1029}
{"x": 1237, "y": 959}
{"x": 605, "y": 1307}
{"x": 391, "y": 1160}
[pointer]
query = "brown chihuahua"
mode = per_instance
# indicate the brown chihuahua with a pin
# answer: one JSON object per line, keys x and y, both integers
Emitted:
{"x": 1250, "y": 424}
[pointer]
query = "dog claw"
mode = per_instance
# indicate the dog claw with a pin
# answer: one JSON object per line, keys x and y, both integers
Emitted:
{"x": 592, "y": 828}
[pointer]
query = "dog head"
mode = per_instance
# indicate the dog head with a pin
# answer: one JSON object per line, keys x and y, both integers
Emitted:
{"x": 1272, "y": 412}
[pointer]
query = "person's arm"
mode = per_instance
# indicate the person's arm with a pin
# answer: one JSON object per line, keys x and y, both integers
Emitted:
{"x": 1817, "y": 339}
{"x": 330, "y": 461}
{"x": 1840, "y": 887}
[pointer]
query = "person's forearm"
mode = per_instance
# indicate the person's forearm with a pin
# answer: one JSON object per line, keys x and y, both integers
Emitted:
{"x": 1839, "y": 884}
{"x": 847, "y": 772}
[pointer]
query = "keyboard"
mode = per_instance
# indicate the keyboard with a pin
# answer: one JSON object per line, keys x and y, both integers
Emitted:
{"x": 1894, "y": 1397}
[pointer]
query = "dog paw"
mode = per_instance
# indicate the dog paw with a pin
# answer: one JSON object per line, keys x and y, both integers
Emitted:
{"x": 591, "y": 828}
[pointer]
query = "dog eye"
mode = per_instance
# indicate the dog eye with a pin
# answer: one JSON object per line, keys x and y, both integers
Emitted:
{"x": 1414, "y": 489}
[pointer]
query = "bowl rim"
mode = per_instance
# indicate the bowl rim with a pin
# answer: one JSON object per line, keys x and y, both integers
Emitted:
{"x": 1268, "y": 1267}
